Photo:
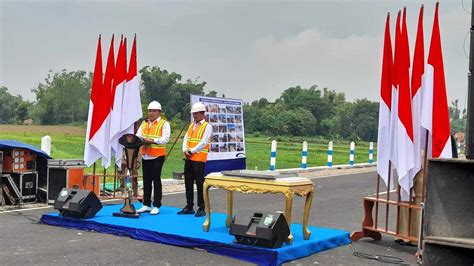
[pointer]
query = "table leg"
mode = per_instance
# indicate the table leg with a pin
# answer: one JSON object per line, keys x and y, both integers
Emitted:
{"x": 230, "y": 202}
{"x": 289, "y": 204}
{"x": 207, "y": 204}
{"x": 307, "y": 207}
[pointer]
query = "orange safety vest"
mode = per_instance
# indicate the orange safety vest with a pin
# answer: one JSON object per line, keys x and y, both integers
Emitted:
{"x": 193, "y": 138}
{"x": 153, "y": 132}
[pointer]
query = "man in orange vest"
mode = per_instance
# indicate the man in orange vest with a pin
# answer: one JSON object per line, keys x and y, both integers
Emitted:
{"x": 195, "y": 148}
{"x": 155, "y": 133}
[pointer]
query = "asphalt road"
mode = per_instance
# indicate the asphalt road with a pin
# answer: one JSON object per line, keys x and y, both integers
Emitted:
{"x": 337, "y": 204}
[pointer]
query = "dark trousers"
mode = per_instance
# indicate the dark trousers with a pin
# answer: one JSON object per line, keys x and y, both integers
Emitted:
{"x": 152, "y": 174}
{"x": 194, "y": 171}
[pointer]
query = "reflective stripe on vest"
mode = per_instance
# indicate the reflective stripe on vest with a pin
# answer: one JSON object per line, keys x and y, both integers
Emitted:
{"x": 153, "y": 132}
{"x": 193, "y": 139}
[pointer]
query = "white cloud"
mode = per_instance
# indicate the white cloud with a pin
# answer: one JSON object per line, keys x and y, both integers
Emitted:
{"x": 350, "y": 64}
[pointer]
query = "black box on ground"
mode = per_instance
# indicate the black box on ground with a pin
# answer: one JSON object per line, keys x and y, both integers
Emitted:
{"x": 24, "y": 185}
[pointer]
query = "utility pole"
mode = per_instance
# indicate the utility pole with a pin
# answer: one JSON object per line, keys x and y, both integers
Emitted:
{"x": 469, "y": 140}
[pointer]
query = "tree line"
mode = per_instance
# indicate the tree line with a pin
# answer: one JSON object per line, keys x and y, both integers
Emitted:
{"x": 309, "y": 112}
{"x": 63, "y": 98}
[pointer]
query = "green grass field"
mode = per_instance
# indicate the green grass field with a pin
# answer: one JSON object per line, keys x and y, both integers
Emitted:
{"x": 68, "y": 143}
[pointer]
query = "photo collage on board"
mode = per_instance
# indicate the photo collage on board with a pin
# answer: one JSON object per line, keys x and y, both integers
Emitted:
{"x": 227, "y": 127}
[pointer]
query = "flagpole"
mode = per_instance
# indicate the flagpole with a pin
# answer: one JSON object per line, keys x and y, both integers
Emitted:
{"x": 123, "y": 94}
{"x": 425, "y": 166}
{"x": 388, "y": 194}
{"x": 93, "y": 178}
{"x": 377, "y": 201}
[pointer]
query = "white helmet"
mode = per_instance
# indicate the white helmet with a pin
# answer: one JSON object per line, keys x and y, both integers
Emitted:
{"x": 154, "y": 106}
{"x": 198, "y": 107}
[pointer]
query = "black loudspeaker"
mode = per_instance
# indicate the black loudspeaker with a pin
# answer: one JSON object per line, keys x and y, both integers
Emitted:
{"x": 77, "y": 203}
{"x": 262, "y": 230}
{"x": 448, "y": 217}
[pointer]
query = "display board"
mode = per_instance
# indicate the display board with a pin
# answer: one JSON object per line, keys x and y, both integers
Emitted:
{"x": 228, "y": 138}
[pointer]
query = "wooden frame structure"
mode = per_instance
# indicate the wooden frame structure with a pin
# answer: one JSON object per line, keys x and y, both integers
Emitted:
{"x": 116, "y": 179}
{"x": 370, "y": 223}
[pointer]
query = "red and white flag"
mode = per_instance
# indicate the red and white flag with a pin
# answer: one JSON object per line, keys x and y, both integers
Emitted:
{"x": 94, "y": 121}
{"x": 435, "y": 114}
{"x": 404, "y": 135}
{"x": 383, "y": 139}
{"x": 120, "y": 78}
{"x": 132, "y": 105}
{"x": 107, "y": 105}
{"x": 417, "y": 82}
{"x": 394, "y": 104}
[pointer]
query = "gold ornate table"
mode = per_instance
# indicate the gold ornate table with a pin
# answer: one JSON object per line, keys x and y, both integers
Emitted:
{"x": 287, "y": 186}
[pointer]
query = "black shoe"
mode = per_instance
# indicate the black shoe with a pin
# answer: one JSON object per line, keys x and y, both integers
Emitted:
{"x": 186, "y": 210}
{"x": 200, "y": 213}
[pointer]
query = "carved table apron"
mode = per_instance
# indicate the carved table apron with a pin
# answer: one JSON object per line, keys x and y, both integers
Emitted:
{"x": 288, "y": 186}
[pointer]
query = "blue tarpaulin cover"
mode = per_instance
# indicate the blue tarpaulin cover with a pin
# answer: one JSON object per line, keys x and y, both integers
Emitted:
{"x": 186, "y": 231}
{"x": 13, "y": 144}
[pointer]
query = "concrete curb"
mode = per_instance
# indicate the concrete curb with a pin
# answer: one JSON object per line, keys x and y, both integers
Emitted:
{"x": 171, "y": 182}
{"x": 323, "y": 168}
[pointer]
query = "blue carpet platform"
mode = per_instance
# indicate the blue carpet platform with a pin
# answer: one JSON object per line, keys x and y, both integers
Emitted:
{"x": 186, "y": 231}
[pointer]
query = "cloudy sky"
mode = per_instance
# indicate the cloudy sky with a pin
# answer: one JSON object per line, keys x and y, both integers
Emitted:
{"x": 243, "y": 49}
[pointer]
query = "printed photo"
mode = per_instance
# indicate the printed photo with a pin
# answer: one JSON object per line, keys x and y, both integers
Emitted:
{"x": 213, "y": 108}
{"x": 230, "y": 109}
{"x": 232, "y": 147}
{"x": 214, "y": 147}
{"x": 223, "y": 147}
{"x": 213, "y": 118}
{"x": 238, "y": 119}
{"x": 240, "y": 146}
{"x": 231, "y": 128}
{"x": 230, "y": 119}
{"x": 222, "y": 138}
{"x": 231, "y": 138}
{"x": 215, "y": 138}
{"x": 222, "y": 118}
{"x": 222, "y": 110}
{"x": 239, "y": 138}
{"x": 238, "y": 129}
{"x": 222, "y": 129}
